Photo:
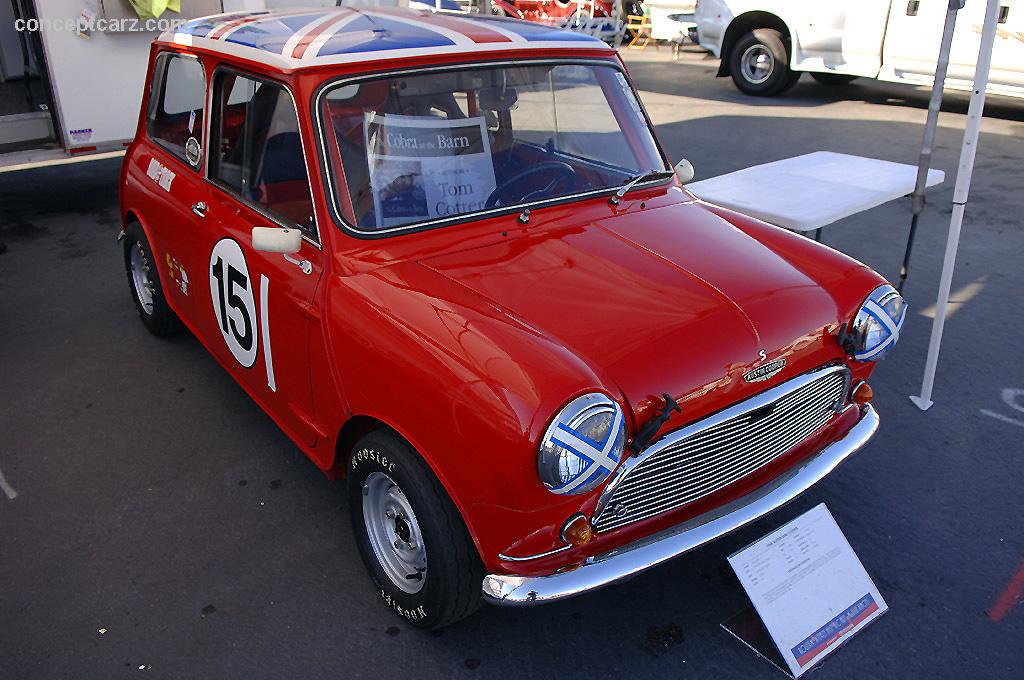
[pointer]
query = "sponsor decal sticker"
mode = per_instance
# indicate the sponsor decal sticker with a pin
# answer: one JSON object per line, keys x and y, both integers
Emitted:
{"x": 160, "y": 174}
{"x": 193, "y": 151}
{"x": 177, "y": 273}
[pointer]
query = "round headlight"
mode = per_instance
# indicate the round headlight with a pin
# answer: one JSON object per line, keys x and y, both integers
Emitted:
{"x": 876, "y": 328}
{"x": 582, "y": 445}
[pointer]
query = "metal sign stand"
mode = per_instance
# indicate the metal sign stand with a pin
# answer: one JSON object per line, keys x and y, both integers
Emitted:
{"x": 960, "y": 192}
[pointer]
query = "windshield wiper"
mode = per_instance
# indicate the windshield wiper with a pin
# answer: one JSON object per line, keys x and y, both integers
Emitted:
{"x": 636, "y": 179}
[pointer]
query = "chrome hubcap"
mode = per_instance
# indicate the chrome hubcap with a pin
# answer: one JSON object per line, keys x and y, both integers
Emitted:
{"x": 140, "y": 278}
{"x": 757, "y": 64}
{"x": 394, "y": 533}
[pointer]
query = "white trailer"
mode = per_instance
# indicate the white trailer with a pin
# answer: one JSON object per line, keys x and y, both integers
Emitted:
{"x": 68, "y": 94}
{"x": 765, "y": 45}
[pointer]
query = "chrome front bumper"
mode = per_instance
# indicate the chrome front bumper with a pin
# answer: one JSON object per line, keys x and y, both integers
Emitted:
{"x": 629, "y": 560}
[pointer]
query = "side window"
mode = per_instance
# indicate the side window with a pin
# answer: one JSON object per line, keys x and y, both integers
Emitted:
{"x": 258, "y": 153}
{"x": 175, "y": 119}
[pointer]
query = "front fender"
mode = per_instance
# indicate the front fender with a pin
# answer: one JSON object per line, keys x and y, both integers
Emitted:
{"x": 846, "y": 280}
{"x": 469, "y": 386}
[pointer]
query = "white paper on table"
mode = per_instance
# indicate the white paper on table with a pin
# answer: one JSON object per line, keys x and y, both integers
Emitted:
{"x": 423, "y": 167}
{"x": 809, "y": 588}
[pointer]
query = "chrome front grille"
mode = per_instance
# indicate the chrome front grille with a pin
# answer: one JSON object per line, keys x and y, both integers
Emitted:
{"x": 702, "y": 458}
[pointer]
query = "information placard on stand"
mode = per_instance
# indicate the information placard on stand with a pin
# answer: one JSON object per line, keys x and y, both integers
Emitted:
{"x": 810, "y": 592}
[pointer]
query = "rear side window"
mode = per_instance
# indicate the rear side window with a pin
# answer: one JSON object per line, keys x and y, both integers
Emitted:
{"x": 175, "y": 119}
{"x": 259, "y": 149}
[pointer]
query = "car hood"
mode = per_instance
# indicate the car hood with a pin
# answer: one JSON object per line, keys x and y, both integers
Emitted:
{"x": 671, "y": 300}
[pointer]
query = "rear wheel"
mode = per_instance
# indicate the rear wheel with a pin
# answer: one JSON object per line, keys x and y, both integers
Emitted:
{"x": 144, "y": 282}
{"x": 410, "y": 535}
{"x": 759, "y": 64}
{"x": 833, "y": 78}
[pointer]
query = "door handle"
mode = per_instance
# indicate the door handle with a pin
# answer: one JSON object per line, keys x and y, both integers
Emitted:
{"x": 305, "y": 265}
{"x": 200, "y": 209}
{"x": 912, "y": 8}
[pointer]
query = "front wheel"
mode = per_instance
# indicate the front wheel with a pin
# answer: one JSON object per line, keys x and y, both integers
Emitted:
{"x": 759, "y": 64}
{"x": 410, "y": 535}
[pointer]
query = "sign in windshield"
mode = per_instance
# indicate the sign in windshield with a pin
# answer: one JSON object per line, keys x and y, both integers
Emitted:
{"x": 423, "y": 168}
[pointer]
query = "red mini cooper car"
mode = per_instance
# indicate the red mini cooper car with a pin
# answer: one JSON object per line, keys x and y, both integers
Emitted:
{"x": 450, "y": 259}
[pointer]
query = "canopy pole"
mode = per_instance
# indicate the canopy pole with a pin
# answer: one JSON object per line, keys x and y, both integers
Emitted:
{"x": 930, "y": 126}
{"x": 960, "y": 192}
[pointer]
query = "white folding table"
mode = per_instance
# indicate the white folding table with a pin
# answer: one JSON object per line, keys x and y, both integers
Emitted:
{"x": 808, "y": 192}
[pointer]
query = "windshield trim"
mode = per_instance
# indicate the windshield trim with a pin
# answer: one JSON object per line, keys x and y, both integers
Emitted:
{"x": 355, "y": 231}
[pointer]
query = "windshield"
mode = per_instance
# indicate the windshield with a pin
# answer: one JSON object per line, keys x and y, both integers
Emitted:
{"x": 404, "y": 150}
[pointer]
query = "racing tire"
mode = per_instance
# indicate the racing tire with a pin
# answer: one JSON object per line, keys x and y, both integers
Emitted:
{"x": 833, "y": 79}
{"x": 410, "y": 535}
{"x": 144, "y": 281}
{"x": 759, "y": 64}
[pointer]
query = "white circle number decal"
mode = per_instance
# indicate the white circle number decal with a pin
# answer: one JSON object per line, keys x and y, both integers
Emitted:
{"x": 233, "y": 303}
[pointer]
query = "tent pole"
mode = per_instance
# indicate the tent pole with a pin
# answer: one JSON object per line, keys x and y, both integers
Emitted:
{"x": 932, "y": 123}
{"x": 960, "y": 192}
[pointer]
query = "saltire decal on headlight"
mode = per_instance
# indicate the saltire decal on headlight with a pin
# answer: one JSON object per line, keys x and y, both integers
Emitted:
{"x": 892, "y": 325}
{"x": 600, "y": 458}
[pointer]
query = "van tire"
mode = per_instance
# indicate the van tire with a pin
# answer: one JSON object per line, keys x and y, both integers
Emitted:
{"x": 759, "y": 64}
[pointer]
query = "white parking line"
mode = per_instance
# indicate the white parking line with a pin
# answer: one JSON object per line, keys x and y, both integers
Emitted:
{"x": 1010, "y": 395}
{"x": 1000, "y": 416}
{"x": 8, "y": 489}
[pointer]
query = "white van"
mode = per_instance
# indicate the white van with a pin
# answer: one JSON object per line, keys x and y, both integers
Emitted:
{"x": 766, "y": 44}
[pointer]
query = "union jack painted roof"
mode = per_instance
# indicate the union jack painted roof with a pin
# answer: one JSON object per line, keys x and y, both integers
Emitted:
{"x": 304, "y": 38}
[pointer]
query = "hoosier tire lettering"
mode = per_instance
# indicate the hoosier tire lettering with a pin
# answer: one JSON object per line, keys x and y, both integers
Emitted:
{"x": 377, "y": 457}
{"x": 409, "y": 614}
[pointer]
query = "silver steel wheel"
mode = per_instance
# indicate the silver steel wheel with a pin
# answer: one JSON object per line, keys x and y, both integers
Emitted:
{"x": 394, "y": 533}
{"x": 140, "y": 277}
{"x": 757, "y": 64}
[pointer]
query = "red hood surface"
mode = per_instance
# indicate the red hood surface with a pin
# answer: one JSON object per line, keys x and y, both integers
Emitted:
{"x": 674, "y": 300}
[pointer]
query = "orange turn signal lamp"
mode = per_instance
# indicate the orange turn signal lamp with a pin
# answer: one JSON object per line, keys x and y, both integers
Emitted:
{"x": 577, "y": 530}
{"x": 862, "y": 393}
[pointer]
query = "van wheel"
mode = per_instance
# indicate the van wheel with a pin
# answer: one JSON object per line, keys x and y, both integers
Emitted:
{"x": 833, "y": 78}
{"x": 759, "y": 64}
{"x": 410, "y": 535}
{"x": 144, "y": 281}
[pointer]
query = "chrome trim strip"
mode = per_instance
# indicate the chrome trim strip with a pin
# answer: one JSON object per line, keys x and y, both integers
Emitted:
{"x": 752, "y": 404}
{"x": 615, "y": 565}
{"x": 509, "y": 558}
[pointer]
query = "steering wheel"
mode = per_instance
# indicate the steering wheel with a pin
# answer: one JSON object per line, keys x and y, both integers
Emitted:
{"x": 562, "y": 171}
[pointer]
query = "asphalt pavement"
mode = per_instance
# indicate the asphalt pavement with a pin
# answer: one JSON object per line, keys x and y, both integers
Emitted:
{"x": 154, "y": 521}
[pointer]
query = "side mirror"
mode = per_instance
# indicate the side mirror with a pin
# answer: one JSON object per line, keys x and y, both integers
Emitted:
{"x": 276, "y": 239}
{"x": 684, "y": 171}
